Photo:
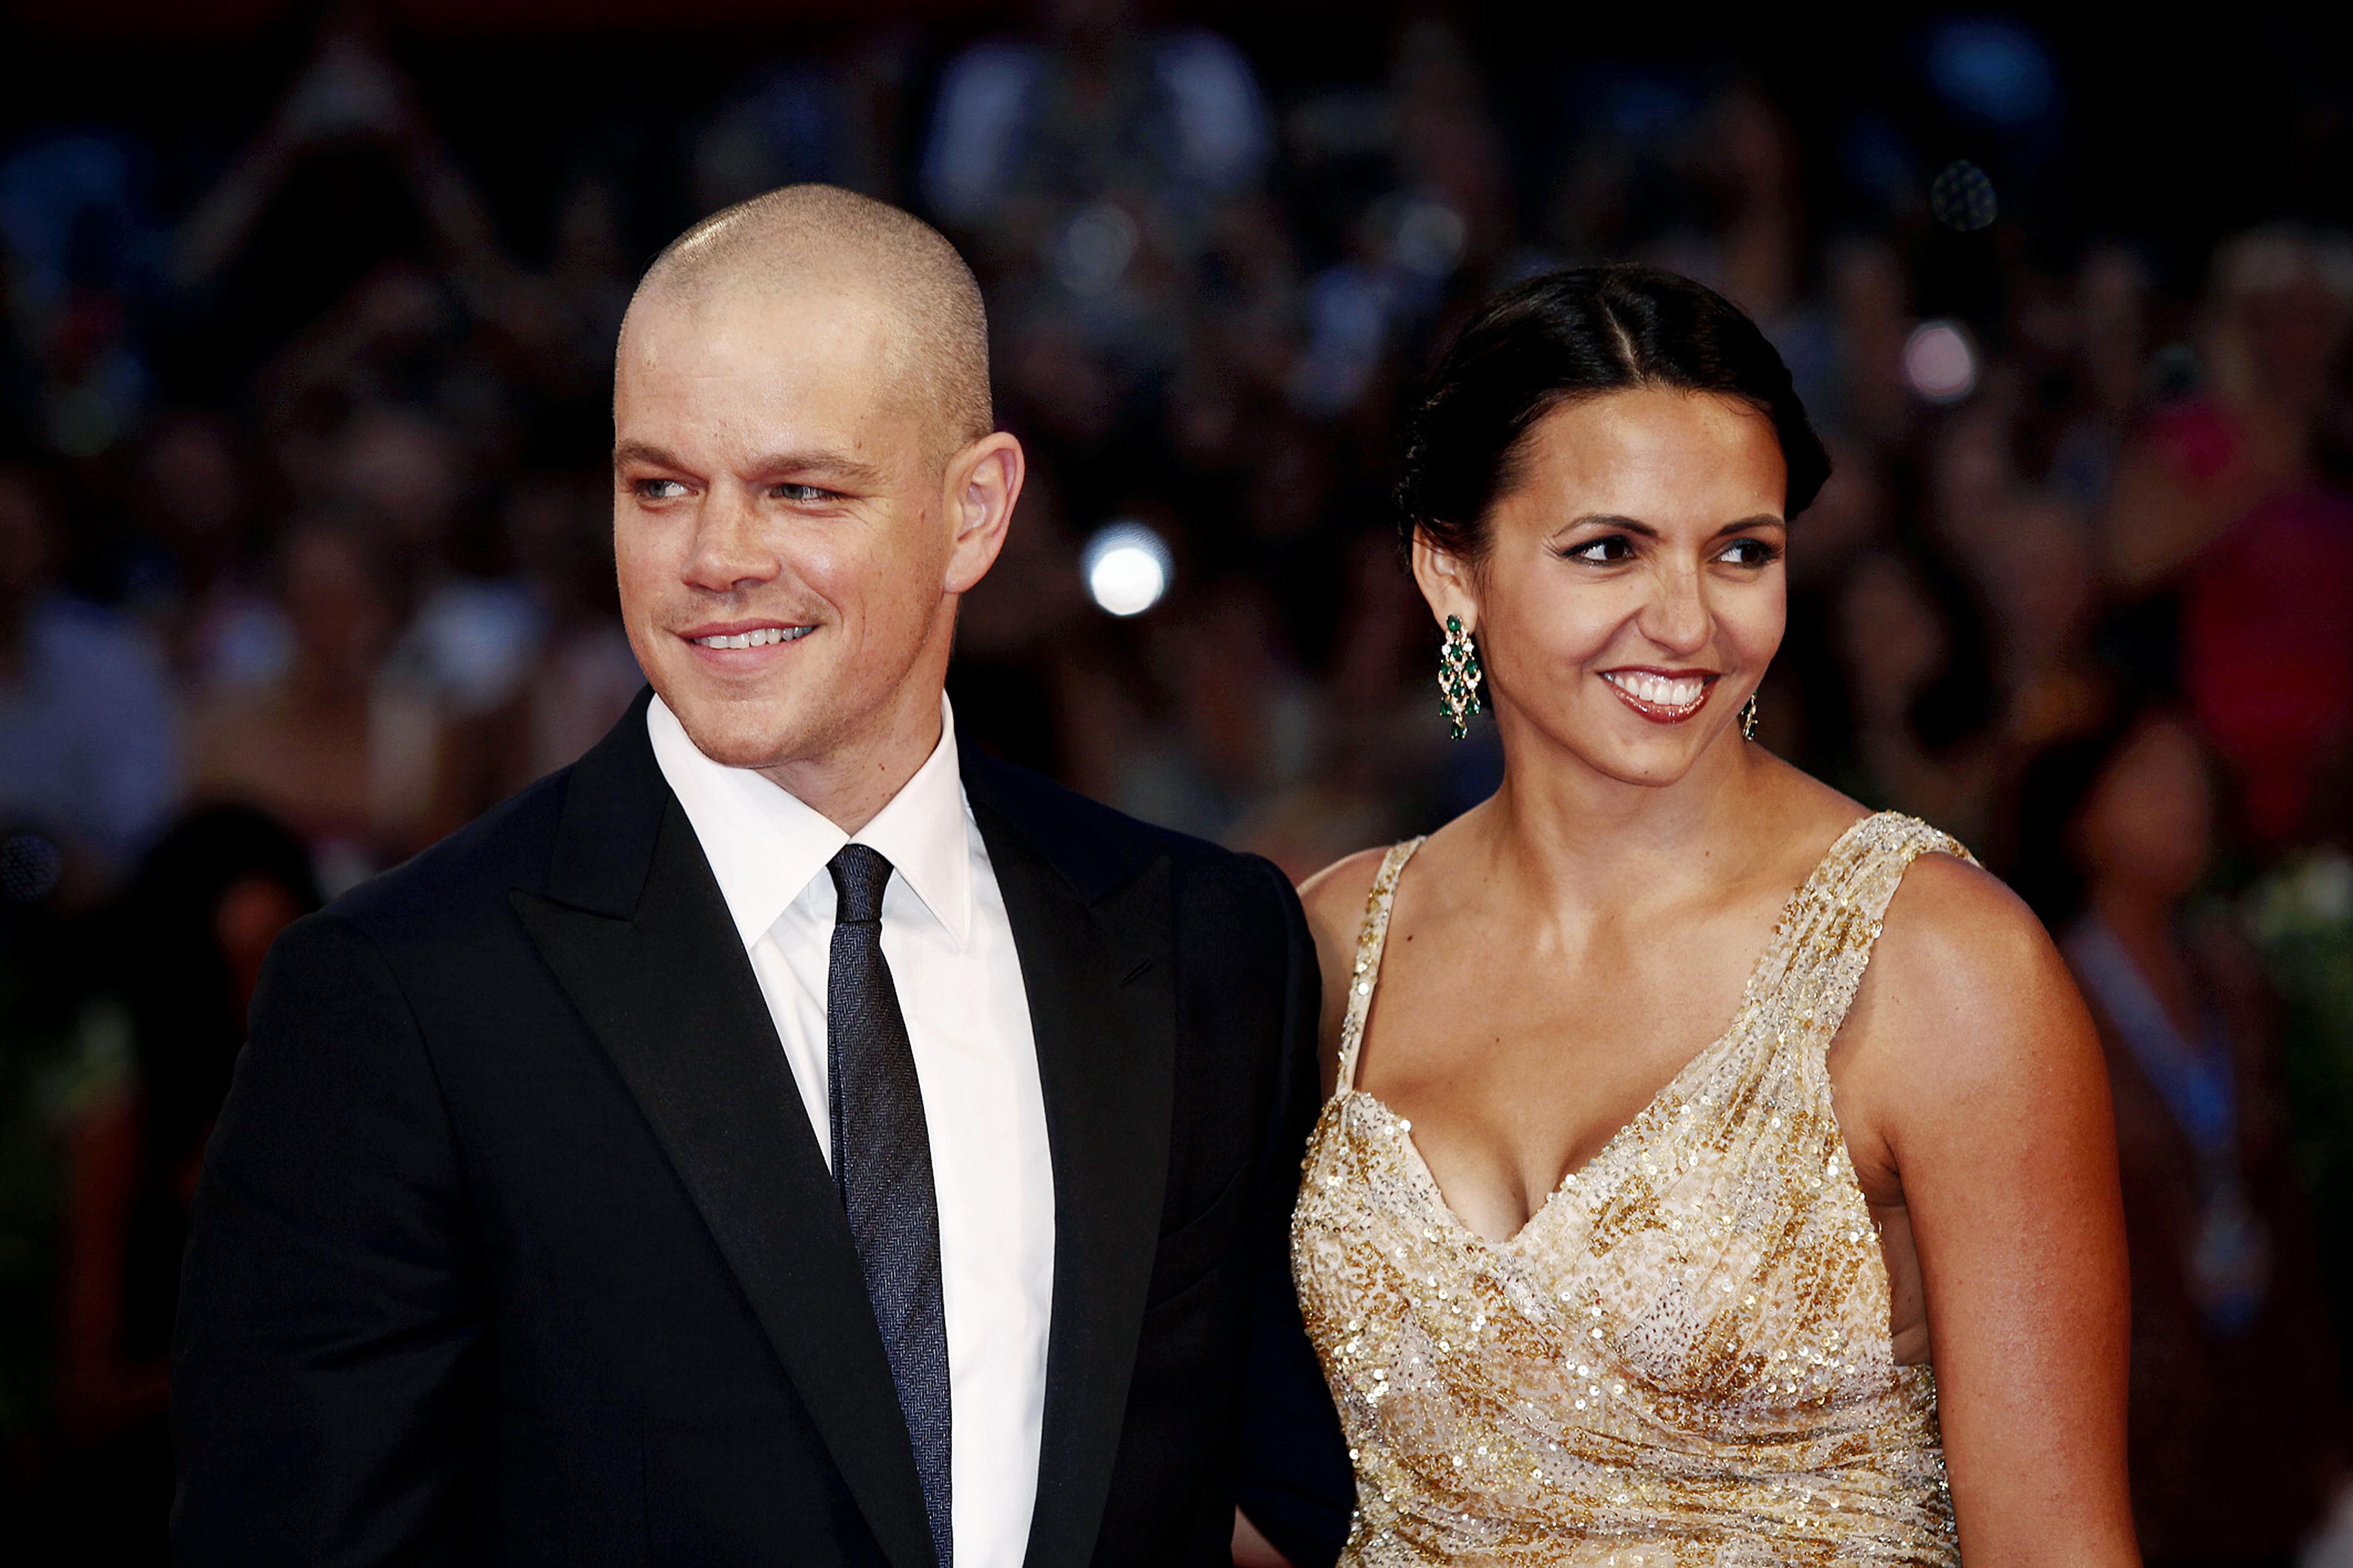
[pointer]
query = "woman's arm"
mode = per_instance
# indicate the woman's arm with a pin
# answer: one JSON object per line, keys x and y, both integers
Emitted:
{"x": 1973, "y": 1070}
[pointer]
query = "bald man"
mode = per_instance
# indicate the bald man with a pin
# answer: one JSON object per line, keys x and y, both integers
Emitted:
{"x": 787, "y": 1135}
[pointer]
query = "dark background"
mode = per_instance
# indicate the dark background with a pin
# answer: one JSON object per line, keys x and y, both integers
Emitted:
{"x": 306, "y": 315}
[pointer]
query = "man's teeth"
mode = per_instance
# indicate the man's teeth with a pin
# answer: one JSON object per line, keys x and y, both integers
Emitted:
{"x": 759, "y": 638}
{"x": 1658, "y": 690}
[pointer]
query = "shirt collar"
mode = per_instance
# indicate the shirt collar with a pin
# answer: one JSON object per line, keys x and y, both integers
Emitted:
{"x": 766, "y": 846}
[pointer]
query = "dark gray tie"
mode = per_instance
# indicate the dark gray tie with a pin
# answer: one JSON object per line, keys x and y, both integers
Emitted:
{"x": 882, "y": 1165}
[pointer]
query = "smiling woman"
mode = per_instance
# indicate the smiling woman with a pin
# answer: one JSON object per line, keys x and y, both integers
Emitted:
{"x": 1703, "y": 1180}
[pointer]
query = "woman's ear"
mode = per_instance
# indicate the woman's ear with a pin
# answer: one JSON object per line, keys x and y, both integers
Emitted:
{"x": 1447, "y": 581}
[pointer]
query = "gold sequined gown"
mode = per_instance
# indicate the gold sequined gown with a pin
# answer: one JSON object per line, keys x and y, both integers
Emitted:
{"x": 1685, "y": 1356}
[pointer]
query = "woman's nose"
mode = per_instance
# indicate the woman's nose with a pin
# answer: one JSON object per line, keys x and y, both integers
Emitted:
{"x": 1677, "y": 616}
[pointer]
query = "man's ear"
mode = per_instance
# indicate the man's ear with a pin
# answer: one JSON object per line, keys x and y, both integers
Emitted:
{"x": 983, "y": 482}
{"x": 1447, "y": 581}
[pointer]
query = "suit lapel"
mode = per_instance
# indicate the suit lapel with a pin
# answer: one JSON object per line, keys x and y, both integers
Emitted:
{"x": 638, "y": 934}
{"x": 1099, "y": 973}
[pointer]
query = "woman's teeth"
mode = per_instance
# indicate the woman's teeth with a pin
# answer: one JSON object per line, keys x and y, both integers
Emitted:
{"x": 759, "y": 638}
{"x": 1658, "y": 690}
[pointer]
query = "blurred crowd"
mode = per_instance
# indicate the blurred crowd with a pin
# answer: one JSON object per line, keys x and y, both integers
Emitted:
{"x": 304, "y": 562}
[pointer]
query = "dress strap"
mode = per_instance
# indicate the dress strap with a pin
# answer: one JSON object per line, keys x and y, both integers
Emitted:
{"x": 1371, "y": 937}
{"x": 1838, "y": 920}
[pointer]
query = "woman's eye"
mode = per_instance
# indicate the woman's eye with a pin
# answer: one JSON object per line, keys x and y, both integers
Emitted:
{"x": 1749, "y": 553}
{"x": 658, "y": 489}
{"x": 1609, "y": 548}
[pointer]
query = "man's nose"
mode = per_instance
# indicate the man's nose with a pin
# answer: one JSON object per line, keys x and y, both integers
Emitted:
{"x": 729, "y": 552}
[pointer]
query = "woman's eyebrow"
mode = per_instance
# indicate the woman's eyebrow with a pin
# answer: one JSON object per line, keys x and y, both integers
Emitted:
{"x": 1610, "y": 520}
{"x": 1636, "y": 525}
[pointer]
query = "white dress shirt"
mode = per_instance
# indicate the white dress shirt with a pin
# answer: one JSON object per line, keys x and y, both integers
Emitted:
{"x": 950, "y": 948}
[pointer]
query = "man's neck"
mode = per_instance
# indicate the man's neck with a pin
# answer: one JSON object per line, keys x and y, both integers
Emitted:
{"x": 851, "y": 784}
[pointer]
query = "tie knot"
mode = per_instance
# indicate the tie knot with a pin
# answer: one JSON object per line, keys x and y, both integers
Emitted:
{"x": 859, "y": 875}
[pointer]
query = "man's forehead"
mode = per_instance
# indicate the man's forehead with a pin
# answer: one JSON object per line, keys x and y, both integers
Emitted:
{"x": 836, "y": 317}
{"x": 756, "y": 377}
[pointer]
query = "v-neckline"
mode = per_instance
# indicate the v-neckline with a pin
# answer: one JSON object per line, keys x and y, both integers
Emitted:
{"x": 1402, "y": 1127}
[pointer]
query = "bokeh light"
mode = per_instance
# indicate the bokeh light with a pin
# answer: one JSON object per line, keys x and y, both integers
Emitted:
{"x": 1940, "y": 361}
{"x": 1962, "y": 197}
{"x": 30, "y": 864}
{"x": 1128, "y": 568}
{"x": 1094, "y": 249}
{"x": 1992, "y": 70}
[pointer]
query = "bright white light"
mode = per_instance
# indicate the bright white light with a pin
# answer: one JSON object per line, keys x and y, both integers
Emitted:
{"x": 1939, "y": 363}
{"x": 1128, "y": 567}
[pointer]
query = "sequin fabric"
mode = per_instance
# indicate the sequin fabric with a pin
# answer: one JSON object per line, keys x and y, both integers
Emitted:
{"x": 1685, "y": 1356}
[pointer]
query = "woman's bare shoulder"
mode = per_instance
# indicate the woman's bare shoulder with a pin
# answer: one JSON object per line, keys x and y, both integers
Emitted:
{"x": 1953, "y": 926}
{"x": 1334, "y": 900}
{"x": 1979, "y": 988}
{"x": 1334, "y": 897}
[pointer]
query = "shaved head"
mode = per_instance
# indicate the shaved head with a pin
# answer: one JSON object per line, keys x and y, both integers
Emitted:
{"x": 807, "y": 478}
{"x": 823, "y": 237}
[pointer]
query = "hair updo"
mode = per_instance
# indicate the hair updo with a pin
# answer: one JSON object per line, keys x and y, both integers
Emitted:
{"x": 1564, "y": 336}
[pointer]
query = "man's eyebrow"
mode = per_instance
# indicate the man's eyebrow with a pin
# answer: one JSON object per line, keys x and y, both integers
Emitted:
{"x": 627, "y": 452}
{"x": 831, "y": 464}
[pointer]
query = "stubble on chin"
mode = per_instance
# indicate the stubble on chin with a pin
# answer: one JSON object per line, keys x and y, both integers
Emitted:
{"x": 754, "y": 731}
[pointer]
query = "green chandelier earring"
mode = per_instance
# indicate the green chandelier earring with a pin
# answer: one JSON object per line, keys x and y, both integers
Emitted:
{"x": 1459, "y": 676}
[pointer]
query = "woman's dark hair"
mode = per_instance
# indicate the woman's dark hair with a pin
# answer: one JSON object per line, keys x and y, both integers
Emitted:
{"x": 1562, "y": 336}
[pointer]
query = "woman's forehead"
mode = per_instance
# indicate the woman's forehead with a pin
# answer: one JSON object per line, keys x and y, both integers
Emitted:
{"x": 1665, "y": 458}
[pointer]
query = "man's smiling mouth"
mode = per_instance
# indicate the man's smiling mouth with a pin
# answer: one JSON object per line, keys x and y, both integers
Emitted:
{"x": 753, "y": 636}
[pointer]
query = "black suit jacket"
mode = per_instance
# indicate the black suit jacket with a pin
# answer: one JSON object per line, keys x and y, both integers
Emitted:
{"x": 515, "y": 1245}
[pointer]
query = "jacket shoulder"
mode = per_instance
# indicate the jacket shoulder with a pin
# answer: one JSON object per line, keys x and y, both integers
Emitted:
{"x": 1080, "y": 834}
{"x": 1099, "y": 847}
